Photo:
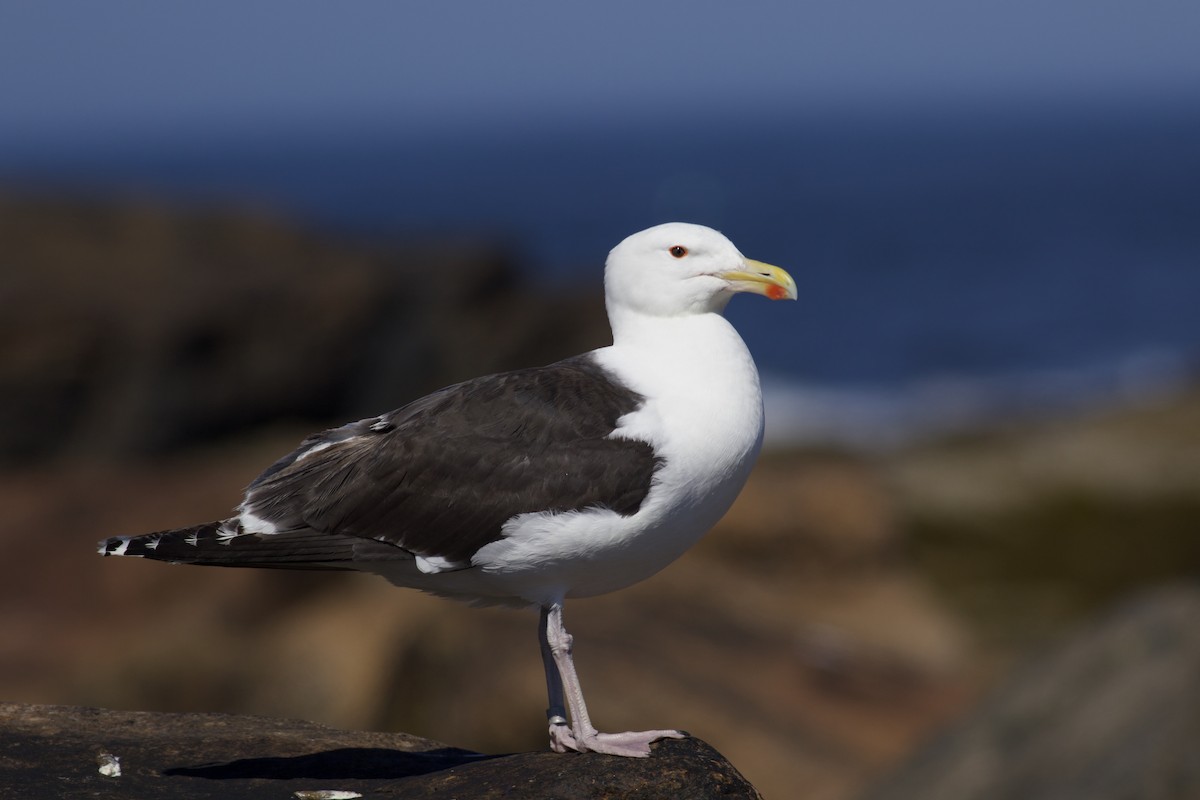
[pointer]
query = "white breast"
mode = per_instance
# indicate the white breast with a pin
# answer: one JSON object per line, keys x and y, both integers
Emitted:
{"x": 702, "y": 414}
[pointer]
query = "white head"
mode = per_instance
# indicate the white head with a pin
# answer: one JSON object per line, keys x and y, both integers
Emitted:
{"x": 681, "y": 269}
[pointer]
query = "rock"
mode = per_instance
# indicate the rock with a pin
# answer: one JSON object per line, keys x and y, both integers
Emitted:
{"x": 1113, "y": 712}
{"x": 51, "y": 752}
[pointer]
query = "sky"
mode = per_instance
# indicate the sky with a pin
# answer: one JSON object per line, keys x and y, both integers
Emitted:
{"x": 82, "y": 71}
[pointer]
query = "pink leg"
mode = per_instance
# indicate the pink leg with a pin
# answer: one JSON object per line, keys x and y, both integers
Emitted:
{"x": 563, "y": 685}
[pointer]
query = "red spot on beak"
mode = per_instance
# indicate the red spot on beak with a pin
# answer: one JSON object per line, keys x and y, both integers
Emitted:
{"x": 776, "y": 292}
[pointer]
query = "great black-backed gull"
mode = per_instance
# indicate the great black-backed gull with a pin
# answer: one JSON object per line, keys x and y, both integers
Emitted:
{"x": 529, "y": 487}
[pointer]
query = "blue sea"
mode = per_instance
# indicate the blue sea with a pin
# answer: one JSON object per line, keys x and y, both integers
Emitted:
{"x": 954, "y": 268}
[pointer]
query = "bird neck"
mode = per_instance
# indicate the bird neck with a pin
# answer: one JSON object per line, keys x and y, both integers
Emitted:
{"x": 669, "y": 348}
{"x": 632, "y": 328}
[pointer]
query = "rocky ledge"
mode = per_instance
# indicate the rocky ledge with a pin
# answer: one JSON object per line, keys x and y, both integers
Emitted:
{"x": 69, "y": 752}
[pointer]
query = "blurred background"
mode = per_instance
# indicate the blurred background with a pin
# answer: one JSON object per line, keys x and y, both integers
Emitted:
{"x": 224, "y": 225}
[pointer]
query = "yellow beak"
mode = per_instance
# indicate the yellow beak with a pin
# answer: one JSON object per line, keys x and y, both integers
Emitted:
{"x": 763, "y": 279}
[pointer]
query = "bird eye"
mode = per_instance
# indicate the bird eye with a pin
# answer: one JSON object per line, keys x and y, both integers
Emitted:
{"x": 679, "y": 251}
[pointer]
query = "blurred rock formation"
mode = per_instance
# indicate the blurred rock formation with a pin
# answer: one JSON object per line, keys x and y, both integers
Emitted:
{"x": 1111, "y": 712}
{"x": 134, "y": 329}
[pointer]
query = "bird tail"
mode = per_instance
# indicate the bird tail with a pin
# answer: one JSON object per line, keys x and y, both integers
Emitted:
{"x": 226, "y": 544}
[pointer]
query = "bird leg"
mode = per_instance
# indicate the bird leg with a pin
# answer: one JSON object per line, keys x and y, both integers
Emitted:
{"x": 556, "y": 712}
{"x": 566, "y": 696}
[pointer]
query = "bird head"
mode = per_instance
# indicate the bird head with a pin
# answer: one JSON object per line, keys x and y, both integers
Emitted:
{"x": 679, "y": 269}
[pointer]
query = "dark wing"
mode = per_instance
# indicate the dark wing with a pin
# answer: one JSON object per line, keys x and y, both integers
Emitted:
{"x": 440, "y": 476}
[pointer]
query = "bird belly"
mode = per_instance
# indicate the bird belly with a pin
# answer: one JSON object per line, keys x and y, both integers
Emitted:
{"x": 545, "y": 557}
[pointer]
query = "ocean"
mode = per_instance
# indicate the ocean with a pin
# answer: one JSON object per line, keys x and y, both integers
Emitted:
{"x": 954, "y": 269}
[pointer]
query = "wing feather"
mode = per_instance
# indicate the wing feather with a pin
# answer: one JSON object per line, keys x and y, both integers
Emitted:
{"x": 440, "y": 476}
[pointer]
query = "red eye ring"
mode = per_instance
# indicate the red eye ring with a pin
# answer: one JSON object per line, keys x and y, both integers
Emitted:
{"x": 678, "y": 251}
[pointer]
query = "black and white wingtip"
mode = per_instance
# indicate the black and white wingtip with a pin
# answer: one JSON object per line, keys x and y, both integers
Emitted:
{"x": 227, "y": 543}
{"x": 116, "y": 546}
{"x": 183, "y": 545}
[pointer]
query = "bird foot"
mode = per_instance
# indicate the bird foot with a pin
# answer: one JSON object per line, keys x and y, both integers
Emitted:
{"x": 633, "y": 744}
